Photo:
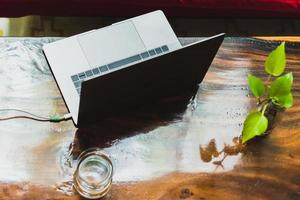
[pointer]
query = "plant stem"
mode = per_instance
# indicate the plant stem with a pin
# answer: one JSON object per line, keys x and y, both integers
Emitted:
{"x": 258, "y": 100}
{"x": 264, "y": 108}
{"x": 262, "y": 105}
{"x": 269, "y": 78}
{"x": 263, "y": 101}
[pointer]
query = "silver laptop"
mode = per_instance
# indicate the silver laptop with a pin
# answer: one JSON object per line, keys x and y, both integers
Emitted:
{"x": 93, "y": 68}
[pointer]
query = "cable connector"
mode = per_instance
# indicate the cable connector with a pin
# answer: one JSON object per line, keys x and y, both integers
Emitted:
{"x": 67, "y": 116}
{"x": 57, "y": 118}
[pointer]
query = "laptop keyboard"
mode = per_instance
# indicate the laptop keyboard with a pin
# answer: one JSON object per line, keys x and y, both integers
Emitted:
{"x": 80, "y": 77}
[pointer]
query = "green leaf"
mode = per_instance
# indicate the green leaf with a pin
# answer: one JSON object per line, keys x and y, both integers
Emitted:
{"x": 285, "y": 101}
{"x": 256, "y": 85}
{"x": 280, "y": 90}
{"x": 275, "y": 63}
{"x": 282, "y": 85}
{"x": 255, "y": 124}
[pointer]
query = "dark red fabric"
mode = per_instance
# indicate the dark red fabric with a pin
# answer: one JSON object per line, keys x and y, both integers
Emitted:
{"x": 185, "y": 8}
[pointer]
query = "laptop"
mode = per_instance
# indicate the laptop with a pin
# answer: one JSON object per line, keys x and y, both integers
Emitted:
{"x": 111, "y": 69}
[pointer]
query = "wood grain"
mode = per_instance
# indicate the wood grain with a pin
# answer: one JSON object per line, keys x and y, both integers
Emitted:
{"x": 156, "y": 149}
{"x": 280, "y": 38}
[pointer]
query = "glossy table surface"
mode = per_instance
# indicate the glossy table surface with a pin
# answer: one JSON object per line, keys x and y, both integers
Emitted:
{"x": 160, "y": 152}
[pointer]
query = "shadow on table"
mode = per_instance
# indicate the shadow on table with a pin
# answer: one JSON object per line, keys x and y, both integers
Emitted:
{"x": 141, "y": 119}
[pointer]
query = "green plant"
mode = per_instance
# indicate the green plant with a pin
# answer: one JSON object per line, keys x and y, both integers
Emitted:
{"x": 275, "y": 94}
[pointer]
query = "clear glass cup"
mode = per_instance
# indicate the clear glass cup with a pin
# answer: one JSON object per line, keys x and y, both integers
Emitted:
{"x": 93, "y": 174}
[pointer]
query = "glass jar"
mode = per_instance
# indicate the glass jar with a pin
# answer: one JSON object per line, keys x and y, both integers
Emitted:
{"x": 93, "y": 174}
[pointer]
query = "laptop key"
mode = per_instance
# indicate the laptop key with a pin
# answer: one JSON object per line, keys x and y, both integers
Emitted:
{"x": 145, "y": 54}
{"x": 89, "y": 73}
{"x": 95, "y": 71}
{"x": 152, "y": 52}
{"x": 75, "y": 78}
{"x": 123, "y": 62}
{"x": 165, "y": 48}
{"x": 82, "y": 75}
{"x": 77, "y": 84}
{"x": 103, "y": 68}
{"x": 158, "y": 50}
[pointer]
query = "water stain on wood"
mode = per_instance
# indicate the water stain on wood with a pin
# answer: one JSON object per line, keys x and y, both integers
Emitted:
{"x": 210, "y": 150}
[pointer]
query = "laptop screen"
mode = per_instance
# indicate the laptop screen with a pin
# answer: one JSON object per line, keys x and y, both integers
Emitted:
{"x": 111, "y": 43}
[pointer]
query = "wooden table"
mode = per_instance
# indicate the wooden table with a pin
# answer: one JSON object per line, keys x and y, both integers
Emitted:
{"x": 156, "y": 151}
